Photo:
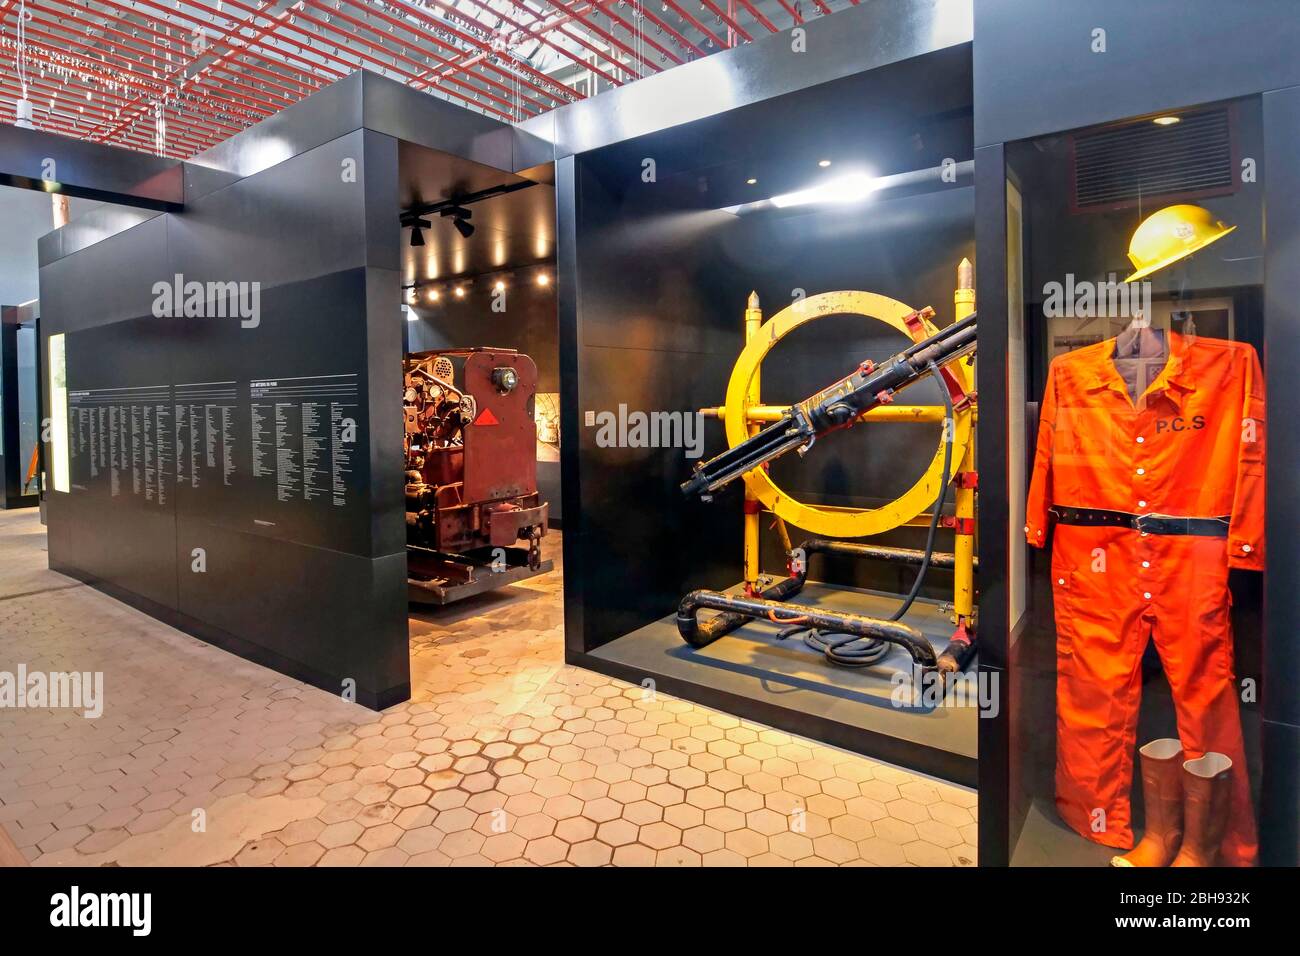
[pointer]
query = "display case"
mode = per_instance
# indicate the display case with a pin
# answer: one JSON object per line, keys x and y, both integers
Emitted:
{"x": 696, "y": 247}
{"x": 1137, "y": 336}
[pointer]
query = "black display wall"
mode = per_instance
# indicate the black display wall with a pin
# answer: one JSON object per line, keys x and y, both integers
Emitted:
{"x": 227, "y": 473}
{"x": 240, "y": 477}
{"x": 663, "y": 271}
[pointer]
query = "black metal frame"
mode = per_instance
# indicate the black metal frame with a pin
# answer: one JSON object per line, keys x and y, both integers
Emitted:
{"x": 850, "y": 44}
{"x": 1250, "y": 51}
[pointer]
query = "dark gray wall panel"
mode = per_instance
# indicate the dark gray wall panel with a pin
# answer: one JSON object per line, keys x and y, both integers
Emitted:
{"x": 86, "y": 169}
{"x": 387, "y": 435}
{"x": 397, "y": 110}
{"x": 107, "y": 282}
{"x": 305, "y": 566}
{"x": 1160, "y": 54}
{"x": 320, "y": 118}
{"x": 130, "y": 549}
{"x": 870, "y": 35}
{"x": 87, "y": 229}
{"x": 296, "y": 220}
{"x": 333, "y": 598}
{"x": 1282, "y": 357}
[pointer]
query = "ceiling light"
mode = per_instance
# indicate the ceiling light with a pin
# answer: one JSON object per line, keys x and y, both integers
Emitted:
{"x": 543, "y": 279}
{"x": 434, "y": 295}
{"x": 824, "y": 163}
{"x": 1167, "y": 120}
{"x": 460, "y": 292}
{"x": 751, "y": 182}
{"x": 845, "y": 189}
{"x": 500, "y": 285}
{"x": 464, "y": 228}
{"x": 417, "y": 231}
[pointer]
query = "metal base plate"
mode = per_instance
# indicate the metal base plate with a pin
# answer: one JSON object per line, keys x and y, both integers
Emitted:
{"x": 445, "y": 592}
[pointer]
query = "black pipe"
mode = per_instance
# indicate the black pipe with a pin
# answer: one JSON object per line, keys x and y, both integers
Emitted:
{"x": 704, "y": 633}
{"x": 866, "y": 628}
{"x": 957, "y": 655}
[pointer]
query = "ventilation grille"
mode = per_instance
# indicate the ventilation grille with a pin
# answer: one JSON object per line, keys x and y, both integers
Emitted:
{"x": 1118, "y": 166}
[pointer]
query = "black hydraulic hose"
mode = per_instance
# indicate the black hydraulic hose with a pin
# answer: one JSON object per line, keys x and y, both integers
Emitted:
{"x": 851, "y": 650}
{"x": 861, "y": 627}
{"x": 949, "y": 436}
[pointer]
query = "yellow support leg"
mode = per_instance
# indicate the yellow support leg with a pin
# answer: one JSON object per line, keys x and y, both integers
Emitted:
{"x": 964, "y": 546}
{"x": 753, "y": 319}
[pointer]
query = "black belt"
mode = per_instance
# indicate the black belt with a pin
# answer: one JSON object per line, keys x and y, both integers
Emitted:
{"x": 1147, "y": 523}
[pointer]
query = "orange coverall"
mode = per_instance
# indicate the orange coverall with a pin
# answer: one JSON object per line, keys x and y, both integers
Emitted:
{"x": 1192, "y": 446}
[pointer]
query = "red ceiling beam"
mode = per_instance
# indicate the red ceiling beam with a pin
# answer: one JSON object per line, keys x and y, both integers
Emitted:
{"x": 87, "y": 112}
{"x": 423, "y": 69}
{"x": 140, "y": 103}
{"x": 696, "y": 23}
{"x": 677, "y": 58}
{"x": 54, "y": 88}
{"x": 558, "y": 90}
{"x": 269, "y": 106}
{"x": 109, "y": 94}
{"x": 289, "y": 95}
{"x": 758, "y": 15}
{"x": 729, "y": 21}
{"x": 608, "y": 36}
{"x": 261, "y": 34}
{"x": 247, "y": 47}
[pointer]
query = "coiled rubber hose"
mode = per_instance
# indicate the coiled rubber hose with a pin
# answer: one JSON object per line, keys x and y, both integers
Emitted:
{"x": 848, "y": 650}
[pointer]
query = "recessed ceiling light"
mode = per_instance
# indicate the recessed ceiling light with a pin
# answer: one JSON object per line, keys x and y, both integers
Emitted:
{"x": 840, "y": 190}
{"x": 543, "y": 279}
{"x": 824, "y": 163}
{"x": 460, "y": 292}
{"x": 1167, "y": 120}
{"x": 434, "y": 295}
{"x": 500, "y": 285}
{"x": 751, "y": 182}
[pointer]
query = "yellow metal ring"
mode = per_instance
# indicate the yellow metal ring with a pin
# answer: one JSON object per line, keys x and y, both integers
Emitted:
{"x": 822, "y": 520}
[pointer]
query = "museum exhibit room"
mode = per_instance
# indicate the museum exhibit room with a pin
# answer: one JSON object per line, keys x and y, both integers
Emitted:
{"x": 606, "y": 433}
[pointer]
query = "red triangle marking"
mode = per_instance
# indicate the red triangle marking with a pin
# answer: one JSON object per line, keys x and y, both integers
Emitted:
{"x": 486, "y": 417}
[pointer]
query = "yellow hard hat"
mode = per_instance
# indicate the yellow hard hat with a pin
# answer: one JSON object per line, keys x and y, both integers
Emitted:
{"x": 1168, "y": 235}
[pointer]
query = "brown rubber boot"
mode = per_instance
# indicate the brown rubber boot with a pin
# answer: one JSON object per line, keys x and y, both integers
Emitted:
{"x": 1207, "y": 782}
{"x": 1162, "y": 794}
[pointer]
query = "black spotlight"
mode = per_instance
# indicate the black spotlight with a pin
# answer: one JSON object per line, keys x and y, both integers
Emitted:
{"x": 460, "y": 217}
{"x": 417, "y": 231}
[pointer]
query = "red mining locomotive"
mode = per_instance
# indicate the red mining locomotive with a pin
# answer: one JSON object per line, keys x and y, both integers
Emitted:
{"x": 474, "y": 519}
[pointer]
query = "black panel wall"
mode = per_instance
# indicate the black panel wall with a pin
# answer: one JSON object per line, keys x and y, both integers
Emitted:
{"x": 651, "y": 337}
{"x": 231, "y": 474}
{"x": 661, "y": 274}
